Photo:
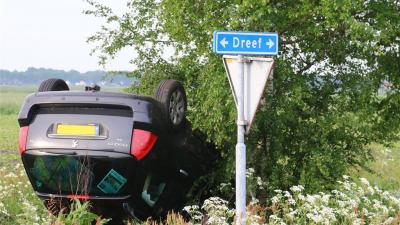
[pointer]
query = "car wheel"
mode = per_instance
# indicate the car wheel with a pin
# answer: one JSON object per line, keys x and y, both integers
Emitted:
{"x": 53, "y": 84}
{"x": 172, "y": 96}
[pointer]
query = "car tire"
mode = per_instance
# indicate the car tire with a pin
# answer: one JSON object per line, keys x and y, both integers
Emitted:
{"x": 53, "y": 84}
{"x": 172, "y": 96}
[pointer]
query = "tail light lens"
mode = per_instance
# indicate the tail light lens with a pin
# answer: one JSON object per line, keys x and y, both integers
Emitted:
{"x": 79, "y": 197}
{"x": 142, "y": 142}
{"x": 23, "y": 134}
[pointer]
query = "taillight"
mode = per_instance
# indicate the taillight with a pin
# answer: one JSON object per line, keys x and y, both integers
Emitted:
{"x": 142, "y": 142}
{"x": 79, "y": 197}
{"x": 23, "y": 134}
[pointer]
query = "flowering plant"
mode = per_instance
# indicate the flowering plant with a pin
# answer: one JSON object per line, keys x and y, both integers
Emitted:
{"x": 352, "y": 203}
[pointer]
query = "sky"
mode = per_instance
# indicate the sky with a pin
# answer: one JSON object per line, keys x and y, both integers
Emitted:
{"x": 52, "y": 34}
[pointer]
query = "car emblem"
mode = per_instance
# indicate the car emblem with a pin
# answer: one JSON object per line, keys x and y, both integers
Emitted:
{"x": 74, "y": 143}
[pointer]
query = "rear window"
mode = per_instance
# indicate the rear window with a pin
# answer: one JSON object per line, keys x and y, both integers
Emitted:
{"x": 71, "y": 174}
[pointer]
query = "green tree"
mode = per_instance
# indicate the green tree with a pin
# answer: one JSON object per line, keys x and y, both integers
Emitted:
{"x": 323, "y": 108}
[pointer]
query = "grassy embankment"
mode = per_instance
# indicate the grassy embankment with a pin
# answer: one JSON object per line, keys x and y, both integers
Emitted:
{"x": 11, "y": 98}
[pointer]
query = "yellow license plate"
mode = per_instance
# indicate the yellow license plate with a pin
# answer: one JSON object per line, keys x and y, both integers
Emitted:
{"x": 78, "y": 130}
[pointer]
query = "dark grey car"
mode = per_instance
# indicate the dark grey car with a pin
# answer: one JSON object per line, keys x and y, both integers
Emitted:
{"x": 127, "y": 154}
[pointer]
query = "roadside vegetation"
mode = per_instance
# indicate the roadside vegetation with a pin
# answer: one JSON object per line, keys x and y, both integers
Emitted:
{"x": 350, "y": 202}
{"x": 323, "y": 110}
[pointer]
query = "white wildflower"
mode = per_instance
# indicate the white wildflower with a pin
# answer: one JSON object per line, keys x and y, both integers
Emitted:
{"x": 297, "y": 188}
{"x": 260, "y": 183}
{"x": 310, "y": 199}
{"x": 3, "y": 210}
{"x": 292, "y": 214}
{"x": 389, "y": 220}
{"x": 357, "y": 221}
{"x": 249, "y": 172}
{"x": 347, "y": 186}
{"x": 301, "y": 197}
{"x": 371, "y": 190}
{"x": 360, "y": 191}
{"x": 364, "y": 181}
{"x": 291, "y": 201}
{"x": 325, "y": 198}
{"x": 377, "y": 189}
{"x": 254, "y": 201}
{"x": 274, "y": 199}
{"x": 11, "y": 175}
{"x": 353, "y": 203}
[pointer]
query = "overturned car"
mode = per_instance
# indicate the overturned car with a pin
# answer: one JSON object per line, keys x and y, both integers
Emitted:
{"x": 130, "y": 155}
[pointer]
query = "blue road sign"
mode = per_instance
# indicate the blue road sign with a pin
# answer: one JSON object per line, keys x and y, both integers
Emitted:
{"x": 245, "y": 43}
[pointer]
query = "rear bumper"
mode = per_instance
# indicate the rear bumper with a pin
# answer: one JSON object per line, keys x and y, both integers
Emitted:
{"x": 45, "y": 196}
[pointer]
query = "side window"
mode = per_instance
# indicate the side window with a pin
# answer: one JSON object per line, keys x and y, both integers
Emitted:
{"x": 152, "y": 189}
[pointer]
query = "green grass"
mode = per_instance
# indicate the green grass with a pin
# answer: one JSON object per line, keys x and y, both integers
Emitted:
{"x": 11, "y": 98}
{"x": 18, "y": 203}
{"x": 9, "y": 132}
{"x": 386, "y": 167}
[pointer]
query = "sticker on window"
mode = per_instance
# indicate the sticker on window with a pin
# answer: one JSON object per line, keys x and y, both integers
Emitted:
{"x": 112, "y": 182}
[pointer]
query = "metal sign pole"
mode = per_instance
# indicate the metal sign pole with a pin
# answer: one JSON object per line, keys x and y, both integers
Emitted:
{"x": 241, "y": 150}
{"x": 245, "y": 43}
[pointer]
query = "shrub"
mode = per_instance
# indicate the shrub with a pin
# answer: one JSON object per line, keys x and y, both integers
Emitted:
{"x": 352, "y": 203}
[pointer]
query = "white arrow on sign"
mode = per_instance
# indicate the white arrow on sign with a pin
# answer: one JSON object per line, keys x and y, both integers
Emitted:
{"x": 270, "y": 43}
{"x": 224, "y": 42}
{"x": 256, "y": 74}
